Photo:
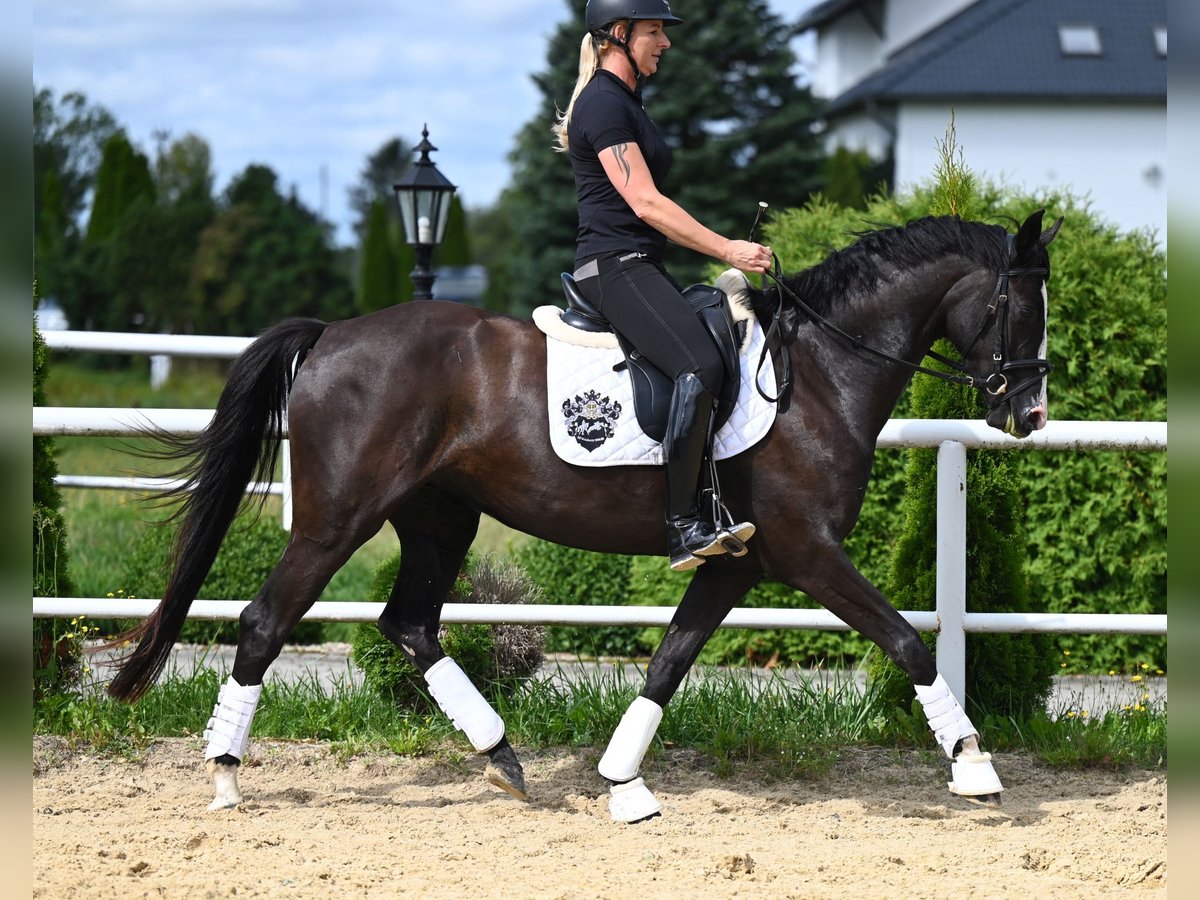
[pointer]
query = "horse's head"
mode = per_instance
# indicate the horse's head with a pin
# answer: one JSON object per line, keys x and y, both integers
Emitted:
{"x": 1007, "y": 349}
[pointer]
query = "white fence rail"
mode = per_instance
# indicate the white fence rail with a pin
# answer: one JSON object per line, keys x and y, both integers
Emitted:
{"x": 952, "y": 438}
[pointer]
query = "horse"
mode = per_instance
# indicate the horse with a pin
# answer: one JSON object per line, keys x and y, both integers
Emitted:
{"x": 428, "y": 414}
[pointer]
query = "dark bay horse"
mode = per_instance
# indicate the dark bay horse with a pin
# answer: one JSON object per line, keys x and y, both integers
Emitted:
{"x": 428, "y": 414}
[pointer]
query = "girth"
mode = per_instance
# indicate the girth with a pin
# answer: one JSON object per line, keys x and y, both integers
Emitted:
{"x": 652, "y": 388}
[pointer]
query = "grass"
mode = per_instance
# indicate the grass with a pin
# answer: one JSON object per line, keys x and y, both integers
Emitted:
{"x": 784, "y": 728}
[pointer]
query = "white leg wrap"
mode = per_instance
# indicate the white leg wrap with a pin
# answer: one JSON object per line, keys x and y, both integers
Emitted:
{"x": 228, "y": 730}
{"x": 946, "y": 717}
{"x": 464, "y": 705}
{"x": 631, "y": 740}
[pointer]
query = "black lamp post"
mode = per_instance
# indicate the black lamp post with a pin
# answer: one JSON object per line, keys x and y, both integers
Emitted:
{"x": 423, "y": 194}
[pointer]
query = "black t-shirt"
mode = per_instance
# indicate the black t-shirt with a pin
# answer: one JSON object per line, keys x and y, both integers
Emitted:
{"x": 607, "y": 113}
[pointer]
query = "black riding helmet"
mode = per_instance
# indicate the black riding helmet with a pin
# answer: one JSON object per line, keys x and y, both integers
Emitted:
{"x": 600, "y": 15}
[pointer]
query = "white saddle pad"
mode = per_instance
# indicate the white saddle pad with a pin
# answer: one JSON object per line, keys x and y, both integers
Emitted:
{"x": 590, "y": 407}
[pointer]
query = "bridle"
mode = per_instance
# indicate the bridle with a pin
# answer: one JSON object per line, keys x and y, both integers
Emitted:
{"x": 994, "y": 383}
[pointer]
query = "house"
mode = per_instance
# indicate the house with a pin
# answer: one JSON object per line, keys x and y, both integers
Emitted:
{"x": 1044, "y": 93}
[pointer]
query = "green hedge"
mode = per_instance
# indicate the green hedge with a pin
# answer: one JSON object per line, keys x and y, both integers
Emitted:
{"x": 56, "y": 662}
{"x": 497, "y": 658}
{"x": 1096, "y": 522}
{"x": 249, "y": 552}
{"x": 569, "y": 576}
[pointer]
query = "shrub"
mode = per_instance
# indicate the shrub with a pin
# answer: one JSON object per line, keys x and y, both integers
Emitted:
{"x": 249, "y": 552}
{"x": 1095, "y": 535}
{"x": 578, "y": 577}
{"x": 56, "y": 662}
{"x": 496, "y": 658}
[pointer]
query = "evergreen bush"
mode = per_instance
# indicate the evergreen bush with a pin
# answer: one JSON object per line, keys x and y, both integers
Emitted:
{"x": 497, "y": 658}
{"x": 56, "y": 663}
{"x": 571, "y": 577}
{"x": 1096, "y": 537}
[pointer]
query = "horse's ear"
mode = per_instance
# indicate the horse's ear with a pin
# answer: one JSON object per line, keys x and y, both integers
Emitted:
{"x": 1050, "y": 233}
{"x": 1029, "y": 233}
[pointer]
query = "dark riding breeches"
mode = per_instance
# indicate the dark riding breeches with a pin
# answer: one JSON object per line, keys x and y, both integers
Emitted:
{"x": 645, "y": 305}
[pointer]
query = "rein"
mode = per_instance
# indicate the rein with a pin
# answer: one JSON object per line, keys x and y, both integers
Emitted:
{"x": 995, "y": 383}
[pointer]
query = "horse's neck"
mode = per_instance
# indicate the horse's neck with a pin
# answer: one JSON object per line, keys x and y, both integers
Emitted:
{"x": 902, "y": 319}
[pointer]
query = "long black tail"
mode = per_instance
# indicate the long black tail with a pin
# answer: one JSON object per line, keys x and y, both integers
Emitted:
{"x": 242, "y": 442}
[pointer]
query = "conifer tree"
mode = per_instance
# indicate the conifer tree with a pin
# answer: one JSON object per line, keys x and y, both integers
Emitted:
{"x": 378, "y": 287}
{"x": 455, "y": 249}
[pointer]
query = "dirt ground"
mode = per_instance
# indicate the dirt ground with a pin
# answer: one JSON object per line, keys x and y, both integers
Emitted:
{"x": 881, "y": 824}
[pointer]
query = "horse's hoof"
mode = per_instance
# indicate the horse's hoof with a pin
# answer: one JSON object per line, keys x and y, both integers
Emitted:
{"x": 505, "y": 772}
{"x": 992, "y": 801}
{"x": 506, "y": 780}
{"x": 225, "y": 781}
{"x": 633, "y": 802}
{"x": 974, "y": 777}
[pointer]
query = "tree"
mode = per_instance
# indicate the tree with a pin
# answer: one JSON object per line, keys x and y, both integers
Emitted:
{"x": 263, "y": 257}
{"x": 379, "y": 283}
{"x": 383, "y": 169}
{"x": 68, "y": 138}
{"x": 455, "y": 249}
{"x": 123, "y": 179}
{"x": 725, "y": 101}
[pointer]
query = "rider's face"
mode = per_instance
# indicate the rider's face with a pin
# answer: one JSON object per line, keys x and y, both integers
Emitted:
{"x": 647, "y": 44}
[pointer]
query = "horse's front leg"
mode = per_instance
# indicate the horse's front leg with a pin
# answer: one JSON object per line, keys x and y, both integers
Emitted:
{"x": 714, "y": 590}
{"x": 831, "y": 579}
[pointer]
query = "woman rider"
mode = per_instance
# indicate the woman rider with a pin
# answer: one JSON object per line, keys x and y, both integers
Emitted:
{"x": 620, "y": 162}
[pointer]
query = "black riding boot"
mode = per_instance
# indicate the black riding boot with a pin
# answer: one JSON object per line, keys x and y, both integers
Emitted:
{"x": 689, "y": 537}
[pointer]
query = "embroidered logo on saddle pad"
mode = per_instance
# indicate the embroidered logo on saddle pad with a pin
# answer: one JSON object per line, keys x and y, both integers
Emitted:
{"x": 591, "y": 419}
{"x": 590, "y": 407}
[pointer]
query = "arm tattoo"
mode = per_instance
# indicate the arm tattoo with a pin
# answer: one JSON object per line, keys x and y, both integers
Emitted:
{"x": 619, "y": 153}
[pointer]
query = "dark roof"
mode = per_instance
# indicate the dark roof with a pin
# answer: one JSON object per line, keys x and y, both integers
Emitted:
{"x": 825, "y": 12}
{"x": 1010, "y": 49}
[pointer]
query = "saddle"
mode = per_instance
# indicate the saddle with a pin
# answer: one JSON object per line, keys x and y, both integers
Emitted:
{"x": 652, "y": 388}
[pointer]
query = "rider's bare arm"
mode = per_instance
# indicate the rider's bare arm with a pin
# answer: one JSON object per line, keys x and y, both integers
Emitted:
{"x": 627, "y": 170}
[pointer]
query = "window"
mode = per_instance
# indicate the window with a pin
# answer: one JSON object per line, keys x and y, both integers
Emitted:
{"x": 1079, "y": 40}
{"x": 1160, "y": 40}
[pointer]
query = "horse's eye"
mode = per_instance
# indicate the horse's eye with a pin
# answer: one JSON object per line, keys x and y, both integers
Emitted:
{"x": 1025, "y": 312}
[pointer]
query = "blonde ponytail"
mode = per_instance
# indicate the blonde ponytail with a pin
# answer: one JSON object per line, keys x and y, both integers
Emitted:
{"x": 589, "y": 60}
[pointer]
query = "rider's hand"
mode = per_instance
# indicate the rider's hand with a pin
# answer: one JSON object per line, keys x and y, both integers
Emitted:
{"x": 748, "y": 256}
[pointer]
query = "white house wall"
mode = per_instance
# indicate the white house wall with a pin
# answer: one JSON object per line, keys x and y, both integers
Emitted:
{"x": 906, "y": 20}
{"x": 1116, "y": 155}
{"x": 859, "y": 131}
{"x": 848, "y": 50}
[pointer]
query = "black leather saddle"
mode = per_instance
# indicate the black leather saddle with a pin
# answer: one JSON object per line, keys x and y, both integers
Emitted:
{"x": 651, "y": 388}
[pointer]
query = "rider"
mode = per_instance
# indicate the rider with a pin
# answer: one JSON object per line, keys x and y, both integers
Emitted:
{"x": 620, "y": 162}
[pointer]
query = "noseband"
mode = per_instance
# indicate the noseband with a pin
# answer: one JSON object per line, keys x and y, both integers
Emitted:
{"x": 995, "y": 383}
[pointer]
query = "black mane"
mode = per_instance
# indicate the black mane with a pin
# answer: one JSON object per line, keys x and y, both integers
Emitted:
{"x": 858, "y": 268}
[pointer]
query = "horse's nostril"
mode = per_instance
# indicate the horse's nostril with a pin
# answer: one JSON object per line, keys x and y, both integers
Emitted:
{"x": 1037, "y": 418}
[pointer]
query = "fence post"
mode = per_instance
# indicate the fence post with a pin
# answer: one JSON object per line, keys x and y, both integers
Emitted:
{"x": 160, "y": 370}
{"x": 951, "y": 602}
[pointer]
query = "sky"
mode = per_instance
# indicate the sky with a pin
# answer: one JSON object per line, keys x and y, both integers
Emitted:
{"x": 312, "y": 88}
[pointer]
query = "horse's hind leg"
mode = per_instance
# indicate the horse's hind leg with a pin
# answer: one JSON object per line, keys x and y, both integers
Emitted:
{"x": 290, "y": 590}
{"x": 436, "y": 532}
{"x": 713, "y": 592}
